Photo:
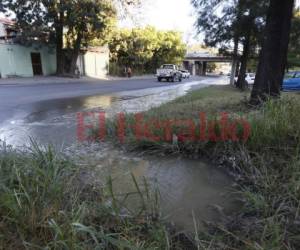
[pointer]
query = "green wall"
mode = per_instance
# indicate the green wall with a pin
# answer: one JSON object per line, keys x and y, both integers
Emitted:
{"x": 15, "y": 60}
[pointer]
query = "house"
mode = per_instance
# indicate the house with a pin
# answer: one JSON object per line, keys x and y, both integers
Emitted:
{"x": 17, "y": 60}
{"x": 39, "y": 59}
{"x": 7, "y": 29}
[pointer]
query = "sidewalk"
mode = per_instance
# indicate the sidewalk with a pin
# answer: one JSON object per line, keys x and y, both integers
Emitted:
{"x": 143, "y": 77}
{"x": 37, "y": 80}
{"x": 55, "y": 79}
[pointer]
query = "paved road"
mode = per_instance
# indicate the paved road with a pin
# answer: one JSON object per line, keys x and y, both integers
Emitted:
{"x": 47, "y": 111}
{"x": 17, "y": 96}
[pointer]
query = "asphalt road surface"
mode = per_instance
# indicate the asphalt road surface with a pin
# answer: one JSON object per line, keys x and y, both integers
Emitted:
{"x": 14, "y": 98}
{"x": 47, "y": 111}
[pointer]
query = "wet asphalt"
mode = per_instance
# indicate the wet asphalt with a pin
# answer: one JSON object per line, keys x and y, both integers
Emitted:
{"x": 47, "y": 112}
{"x": 18, "y": 99}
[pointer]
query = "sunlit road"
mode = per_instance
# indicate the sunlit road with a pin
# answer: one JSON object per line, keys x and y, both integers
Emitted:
{"x": 16, "y": 97}
{"x": 47, "y": 112}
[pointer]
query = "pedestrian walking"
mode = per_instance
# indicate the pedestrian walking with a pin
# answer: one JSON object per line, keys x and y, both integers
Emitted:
{"x": 129, "y": 72}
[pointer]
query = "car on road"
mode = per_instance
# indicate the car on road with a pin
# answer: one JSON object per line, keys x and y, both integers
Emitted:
{"x": 291, "y": 82}
{"x": 250, "y": 78}
{"x": 169, "y": 72}
{"x": 185, "y": 74}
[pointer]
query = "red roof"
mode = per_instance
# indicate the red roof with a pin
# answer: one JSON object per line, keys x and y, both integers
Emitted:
{"x": 7, "y": 21}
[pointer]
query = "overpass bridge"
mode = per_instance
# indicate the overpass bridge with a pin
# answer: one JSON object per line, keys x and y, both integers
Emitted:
{"x": 196, "y": 63}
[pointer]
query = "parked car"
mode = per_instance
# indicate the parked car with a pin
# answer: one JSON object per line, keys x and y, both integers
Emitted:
{"x": 168, "y": 72}
{"x": 291, "y": 82}
{"x": 185, "y": 74}
{"x": 250, "y": 78}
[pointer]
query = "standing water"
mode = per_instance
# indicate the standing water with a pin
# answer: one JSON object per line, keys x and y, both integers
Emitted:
{"x": 191, "y": 191}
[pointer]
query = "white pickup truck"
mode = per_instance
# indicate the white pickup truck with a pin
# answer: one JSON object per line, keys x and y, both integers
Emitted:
{"x": 169, "y": 72}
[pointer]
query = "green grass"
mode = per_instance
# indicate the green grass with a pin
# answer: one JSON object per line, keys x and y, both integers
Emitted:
{"x": 266, "y": 167}
{"x": 212, "y": 100}
{"x": 45, "y": 204}
{"x": 273, "y": 126}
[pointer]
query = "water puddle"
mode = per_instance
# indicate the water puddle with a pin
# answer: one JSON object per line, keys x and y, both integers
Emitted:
{"x": 190, "y": 190}
{"x": 54, "y": 121}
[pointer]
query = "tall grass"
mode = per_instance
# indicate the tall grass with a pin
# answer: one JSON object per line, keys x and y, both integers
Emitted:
{"x": 44, "y": 204}
{"x": 277, "y": 125}
{"x": 268, "y": 171}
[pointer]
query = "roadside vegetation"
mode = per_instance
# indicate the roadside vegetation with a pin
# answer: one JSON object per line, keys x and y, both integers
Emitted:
{"x": 266, "y": 167}
{"x": 47, "y": 203}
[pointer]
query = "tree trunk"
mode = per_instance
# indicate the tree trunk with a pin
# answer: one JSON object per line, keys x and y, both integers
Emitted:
{"x": 236, "y": 73}
{"x": 59, "y": 52}
{"x": 75, "y": 54}
{"x": 241, "y": 83}
{"x": 60, "y": 44}
{"x": 273, "y": 57}
{"x": 235, "y": 60}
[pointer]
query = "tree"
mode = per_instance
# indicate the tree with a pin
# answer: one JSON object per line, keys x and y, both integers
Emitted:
{"x": 235, "y": 22}
{"x": 39, "y": 21}
{"x": 145, "y": 49}
{"x": 249, "y": 25}
{"x": 84, "y": 21}
{"x": 2, "y": 9}
{"x": 273, "y": 57}
{"x": 294, "y": 47}
{"x": 216, "y": 21}
{"x": 170, "y": 49}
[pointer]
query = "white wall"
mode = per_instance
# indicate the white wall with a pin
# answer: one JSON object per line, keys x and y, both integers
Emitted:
{"x": 94, "y": 63}
{"x": 2, "y": 30}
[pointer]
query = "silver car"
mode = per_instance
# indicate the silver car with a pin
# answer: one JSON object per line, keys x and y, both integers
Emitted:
{"x": 185, "y": 74}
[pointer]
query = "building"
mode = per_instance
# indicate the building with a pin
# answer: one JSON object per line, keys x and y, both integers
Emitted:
{"x": 38, "y": 59}
{"x": 7, "y": 30}
{"x": 23, "y": 61}
{"x": 94, "y": 62}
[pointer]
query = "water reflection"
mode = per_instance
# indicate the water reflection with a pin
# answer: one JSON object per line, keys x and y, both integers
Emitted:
{"x": 186, "y": 186}
{"x": 54, "y": 121}
{"x": 62, "y": 108}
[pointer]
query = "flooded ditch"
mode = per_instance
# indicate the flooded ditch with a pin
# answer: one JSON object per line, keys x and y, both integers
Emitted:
{"x": 190, "y": 190}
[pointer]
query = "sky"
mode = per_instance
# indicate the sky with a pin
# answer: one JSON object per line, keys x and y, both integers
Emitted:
{"x": 166, "y": 15}
{"x": 169, "y": 15}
